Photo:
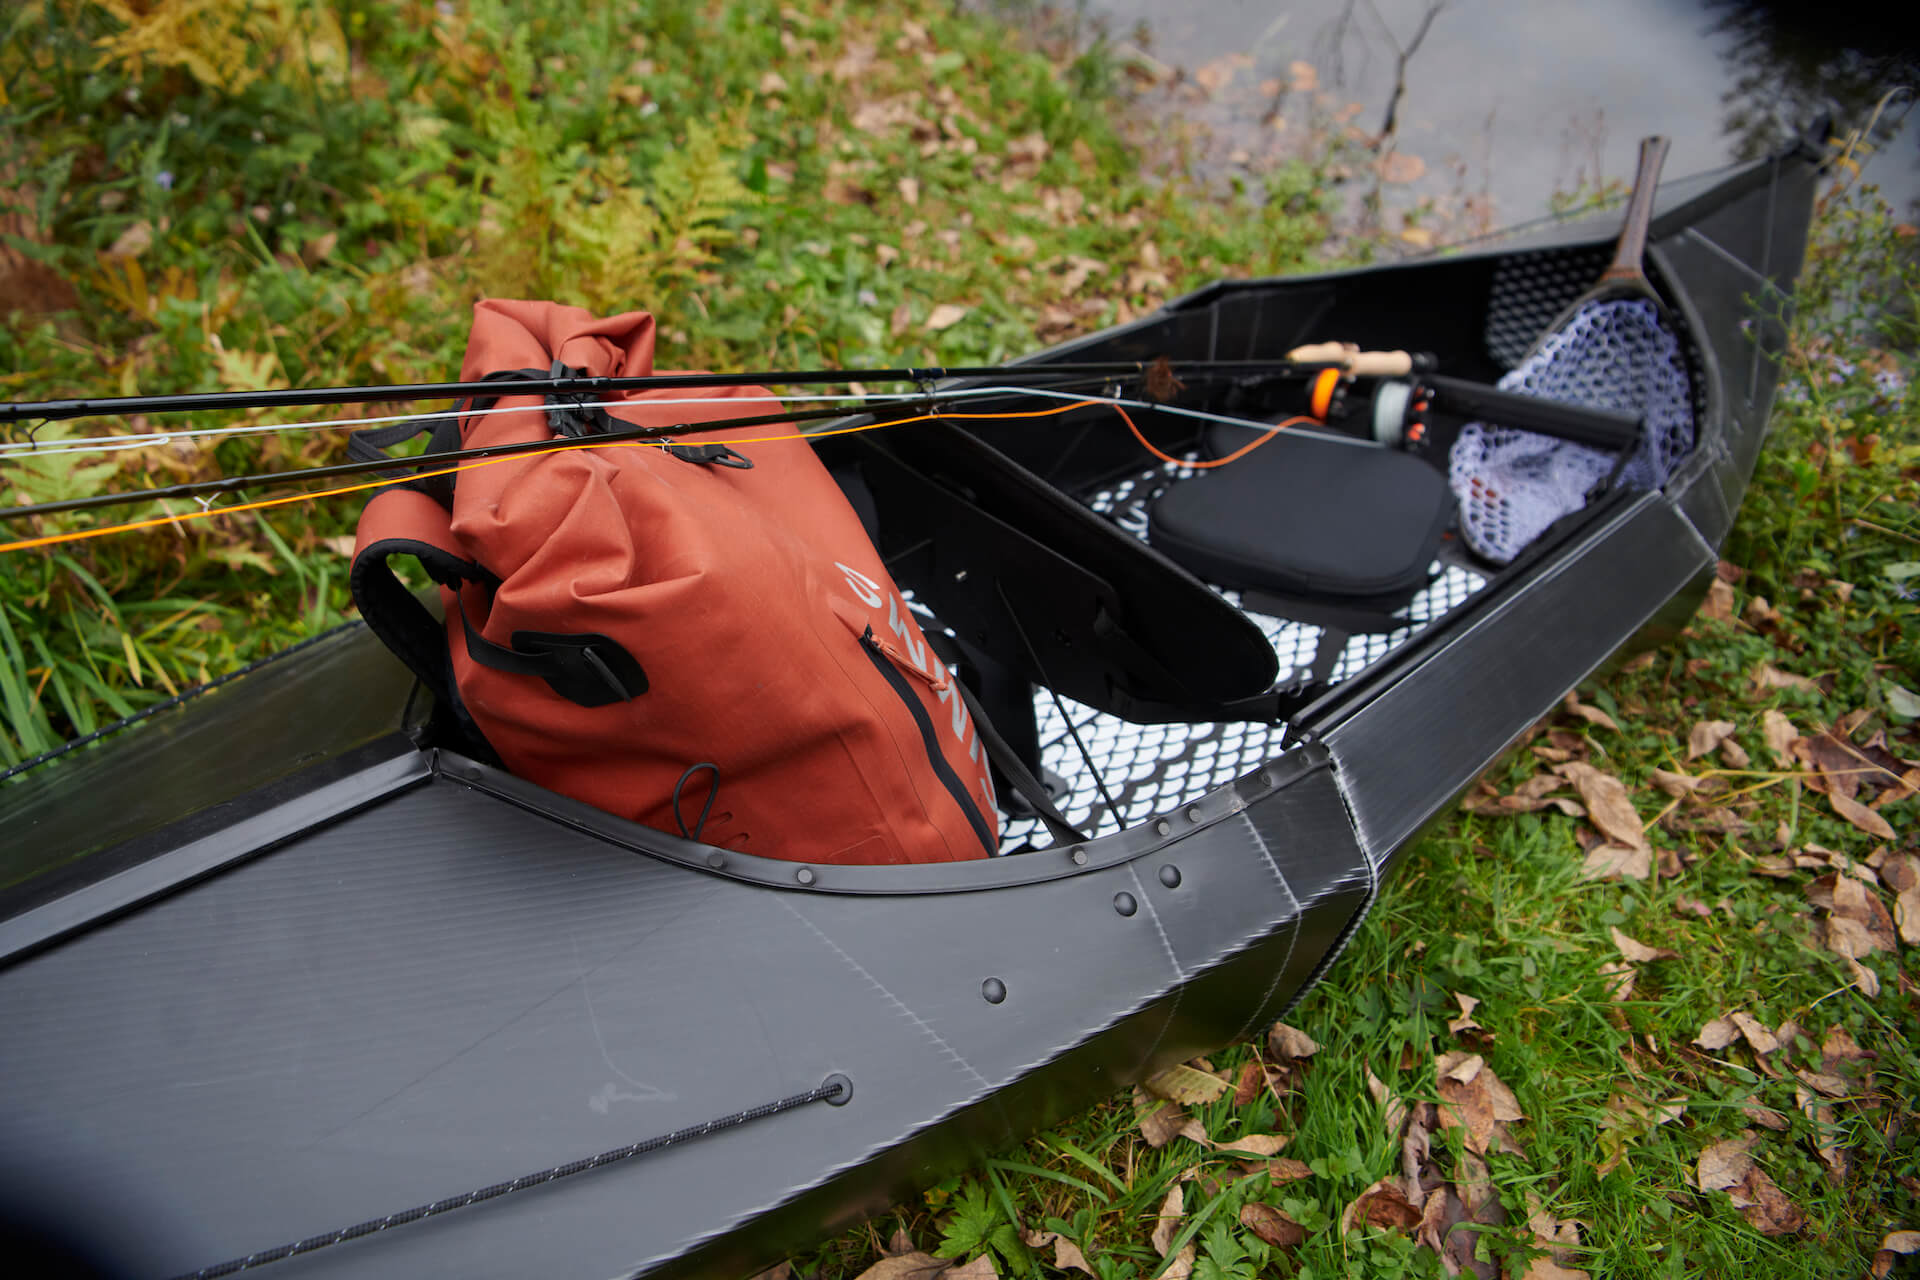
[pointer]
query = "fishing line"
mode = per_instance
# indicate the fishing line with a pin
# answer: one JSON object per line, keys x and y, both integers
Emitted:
{"x": 152, "y": 439}
{"x": 507, "y": 453}
{"x": 655, "y": 436}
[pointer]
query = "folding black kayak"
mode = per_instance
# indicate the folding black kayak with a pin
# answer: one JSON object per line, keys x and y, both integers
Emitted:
{"x": 288, "y": 979}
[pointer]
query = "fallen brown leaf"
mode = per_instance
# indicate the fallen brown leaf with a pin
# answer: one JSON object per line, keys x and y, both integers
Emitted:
{"x": 1617, "y": 862}
{"x": 1766, "y": 1117}
{"x": 1254, "y": 1144}
{"x": 1859, "y": 925}
{"x": 1167, "y": 1225}
{"x": 1885, "y": 1256}
{"x": 1474, "y": 1100}
{"x": 1066, "y": 1254}
{"x": 1677, "y": 785}
{"x": 1706, "y": 737}
{"x": 1291, "y": 1042}
{"x": 1831, "y": 1085}
{"x": 1717, "y": 1034}
{"x": 1591, "y": 714}
{"x": 1840, "y": 1046}
{"x": 1636, "y": 950}
{"x": 1465, "y": 1021}
{"x": 909, "y": 1266}
{"x": 132, "y": 242}
{"x": 1161, "y": 1121}
{"x": 1761, "y": 613}
{"x": 1725, "y": 1163}
{"x": 1383, "y": 1205}
{"x": 1186, "y": 1085}
{"x": 1607, "y": 803}
{"x": 1719, "y": 602}
{"x": 945, "y": 316}
{"x": 1768, "y": 676}
{"x": 1272, "y": 1226}
{"x": 1864, "y": 978}
{"x": 1280, "y": 1170}
{"x": 1780, "y": 735}
{"x": 1758, "y": 1037}
{"x": 1618, "y": 977}
{"x": 1765, "y": 1206}
{"x": 1860, "y": 816}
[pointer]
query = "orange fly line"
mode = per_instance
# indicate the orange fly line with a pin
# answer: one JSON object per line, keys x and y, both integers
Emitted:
{"x": 81, "y": 535}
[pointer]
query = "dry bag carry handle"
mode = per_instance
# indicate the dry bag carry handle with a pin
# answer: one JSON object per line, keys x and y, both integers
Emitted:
{"x": 406, "y": 522}
{"x": 584, "y": 668}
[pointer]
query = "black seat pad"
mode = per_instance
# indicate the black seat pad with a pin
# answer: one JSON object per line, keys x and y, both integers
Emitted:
{"x": 1308, "y": 518}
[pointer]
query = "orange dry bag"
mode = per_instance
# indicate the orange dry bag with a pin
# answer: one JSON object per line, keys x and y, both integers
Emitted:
{"x": 694, "y": 633}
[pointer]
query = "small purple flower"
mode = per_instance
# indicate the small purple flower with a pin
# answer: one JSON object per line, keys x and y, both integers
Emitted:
{"x": 444, "y": 8}
{"x": 164, "y": 179}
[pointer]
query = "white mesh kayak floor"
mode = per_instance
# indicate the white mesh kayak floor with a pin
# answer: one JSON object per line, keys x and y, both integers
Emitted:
{"x": 1151, "y": 769}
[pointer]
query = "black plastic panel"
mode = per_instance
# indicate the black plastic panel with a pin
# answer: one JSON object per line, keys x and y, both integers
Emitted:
{"x": 1405, "y": 752}
{"x": 208, "y": 764}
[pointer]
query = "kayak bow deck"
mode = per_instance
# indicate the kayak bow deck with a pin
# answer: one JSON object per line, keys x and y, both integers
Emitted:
{"x": 271, "y": 967}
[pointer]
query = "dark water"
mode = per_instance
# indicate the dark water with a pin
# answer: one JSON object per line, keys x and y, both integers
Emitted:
{"x": 1506, "y": 102}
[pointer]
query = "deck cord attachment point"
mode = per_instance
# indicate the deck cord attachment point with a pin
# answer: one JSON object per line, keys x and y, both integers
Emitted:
{"x": 835, "y": 1090}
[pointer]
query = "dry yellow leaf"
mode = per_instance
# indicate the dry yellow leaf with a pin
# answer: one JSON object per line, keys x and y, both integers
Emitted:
{"x": 1707, "y": 736}
{"x": 1608, "y": 803}
{"x": 945, "y": 316}
{"x": 1633, "y": 949}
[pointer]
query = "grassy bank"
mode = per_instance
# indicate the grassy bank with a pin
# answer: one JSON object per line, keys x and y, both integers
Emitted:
{"x": 1641, "y": 1008}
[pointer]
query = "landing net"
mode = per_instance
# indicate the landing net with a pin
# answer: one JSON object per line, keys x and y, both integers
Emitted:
{"x": 1613, "y": 355}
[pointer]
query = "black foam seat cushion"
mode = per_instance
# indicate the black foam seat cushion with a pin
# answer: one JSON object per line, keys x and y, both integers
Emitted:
{"x": 1309, "y": 518}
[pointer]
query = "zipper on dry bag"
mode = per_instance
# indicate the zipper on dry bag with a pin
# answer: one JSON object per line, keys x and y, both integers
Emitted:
{"x": 892, "y": 664}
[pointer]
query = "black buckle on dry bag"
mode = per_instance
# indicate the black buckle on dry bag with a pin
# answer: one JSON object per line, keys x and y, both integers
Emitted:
{"x": 711, "y": 454}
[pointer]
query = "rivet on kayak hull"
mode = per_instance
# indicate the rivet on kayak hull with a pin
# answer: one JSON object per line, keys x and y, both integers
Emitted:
{"x": 1163, "y": 828}
{"x": 1193, "y": 813}
{"x": 804, "y": 875}
{"x": 716, "y": 861}
{"x": 994, "y": 990}
{"x": 1124, "y": 903}
{"x": 1170, "y": 876}
{"x": 1079, "y": 856}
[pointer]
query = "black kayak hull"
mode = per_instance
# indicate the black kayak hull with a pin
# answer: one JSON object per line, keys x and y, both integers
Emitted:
{"x": 274, "y": 969}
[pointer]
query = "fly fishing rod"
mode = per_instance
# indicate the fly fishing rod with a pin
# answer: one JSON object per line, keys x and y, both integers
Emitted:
{"x": 570, "y": 384}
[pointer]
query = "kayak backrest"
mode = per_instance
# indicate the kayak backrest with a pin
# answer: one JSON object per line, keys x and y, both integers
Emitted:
{"x": 1040, "y": 583}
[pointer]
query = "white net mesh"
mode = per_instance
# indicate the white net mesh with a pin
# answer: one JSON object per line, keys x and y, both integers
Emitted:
{"x": 1611, "y": 355}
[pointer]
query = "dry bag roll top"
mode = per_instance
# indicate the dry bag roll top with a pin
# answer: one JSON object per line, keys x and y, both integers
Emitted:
{"x": 695, "y": 633}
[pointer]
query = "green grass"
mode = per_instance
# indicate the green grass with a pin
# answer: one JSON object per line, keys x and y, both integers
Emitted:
{"x": 804, "y": 184}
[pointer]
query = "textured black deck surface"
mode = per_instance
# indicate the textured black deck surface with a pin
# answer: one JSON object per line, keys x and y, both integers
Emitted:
{"x": 445, "y": 991}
